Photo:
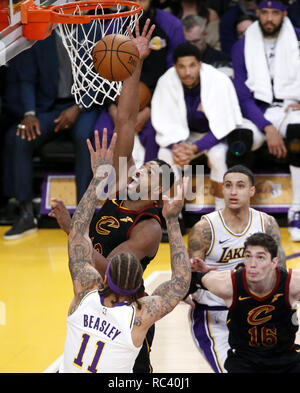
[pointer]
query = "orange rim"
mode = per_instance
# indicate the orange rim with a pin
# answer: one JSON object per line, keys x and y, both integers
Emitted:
{"x": 33, "y": 13}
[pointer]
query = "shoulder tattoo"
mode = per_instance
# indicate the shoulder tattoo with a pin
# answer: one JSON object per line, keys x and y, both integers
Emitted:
{"x": 199, "y": 239}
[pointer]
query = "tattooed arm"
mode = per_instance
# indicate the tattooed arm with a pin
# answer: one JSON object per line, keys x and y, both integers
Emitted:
{"x": 168, "y": 294}
{"x": 272, "y": 228}
{"x": 199, "y": 239}
{"x": 84, "y": 276}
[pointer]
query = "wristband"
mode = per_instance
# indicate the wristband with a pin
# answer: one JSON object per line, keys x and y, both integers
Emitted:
{"x": 30, "y": 113}
{"x": 199, "y": 283}
{"x": 196, "y": 283}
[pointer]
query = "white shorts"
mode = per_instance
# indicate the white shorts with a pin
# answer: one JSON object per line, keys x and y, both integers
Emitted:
{"x": 210, "y": 333}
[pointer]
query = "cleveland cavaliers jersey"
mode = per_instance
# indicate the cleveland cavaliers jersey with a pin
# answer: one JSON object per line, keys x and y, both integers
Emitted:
{"x": 262, "y": 328}
{"x": 227, "y": 247}
{"x": 112, "y": 225}
{"x": 99, "y": 338}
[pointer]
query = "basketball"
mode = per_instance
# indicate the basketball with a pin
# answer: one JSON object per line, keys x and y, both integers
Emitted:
{"x": 144, "y": 95}
{"x": 115, "y": 57}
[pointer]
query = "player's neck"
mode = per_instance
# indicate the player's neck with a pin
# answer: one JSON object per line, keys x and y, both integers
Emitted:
{"x": 110, "y": 300}
{"x": 236, "y": 217}
{"x": 263, "y": 287}
{"x": 137, "y": 205}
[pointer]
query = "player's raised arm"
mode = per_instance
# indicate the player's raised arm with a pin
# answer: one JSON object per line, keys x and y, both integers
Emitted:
{"x": 84, "y": 276}
{"x": 128, "y": 105}
{"x": 168, "y": 294}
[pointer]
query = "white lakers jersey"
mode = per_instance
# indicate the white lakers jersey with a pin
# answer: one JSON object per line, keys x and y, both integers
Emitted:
{"x": 99, "y": 338}
{"x": 227, "y": 248}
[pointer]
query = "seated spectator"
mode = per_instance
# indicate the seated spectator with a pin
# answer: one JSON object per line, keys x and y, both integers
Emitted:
{"x": 183, "y": 8}
{"x": 269, "y": 91}
{"x": 195, "y": 32}
{"x": 294, "y": 13}
{"x": 228, "y": 33}
{"x": 11, "y": 111}
{"x": 44, "y": 72}
{"x": 243, "y": 23}
{"x": 167, "y": 35}
{"x": 191, "y": 116}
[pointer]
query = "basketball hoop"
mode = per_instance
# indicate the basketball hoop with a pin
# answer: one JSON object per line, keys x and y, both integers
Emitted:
{"x": 81, "y": 25}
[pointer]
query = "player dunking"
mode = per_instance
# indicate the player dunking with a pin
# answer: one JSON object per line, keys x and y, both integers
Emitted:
{"x": 107, "y": 323}
{"x": 218, "y": 239}
{"x": 128, "y": 225}
{"x": 262, "y": 317}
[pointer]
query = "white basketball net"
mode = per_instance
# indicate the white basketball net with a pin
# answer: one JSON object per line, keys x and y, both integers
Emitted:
{"x": 79, "y": 40}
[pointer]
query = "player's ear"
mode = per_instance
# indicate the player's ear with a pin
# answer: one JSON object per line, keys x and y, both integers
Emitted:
{"x": 252, "y": 191}
{"x": 275, "y": 262}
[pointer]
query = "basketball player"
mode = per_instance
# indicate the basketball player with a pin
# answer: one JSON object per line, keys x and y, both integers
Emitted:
{"x": 107, "y": 323}
{"x": 129, "y": 225}
{"x": 262, "y": 317}
{"x": 218, "y": 239}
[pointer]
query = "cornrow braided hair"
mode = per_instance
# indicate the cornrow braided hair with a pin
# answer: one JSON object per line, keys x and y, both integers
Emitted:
{"x": 126, "y": 273}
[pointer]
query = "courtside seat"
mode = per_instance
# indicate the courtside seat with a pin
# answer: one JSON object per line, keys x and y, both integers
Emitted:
{"x": 56, "y": 153}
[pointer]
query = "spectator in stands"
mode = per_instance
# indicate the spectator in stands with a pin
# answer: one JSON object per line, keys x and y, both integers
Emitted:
{"x": 294, "y": 13}
{"x": 195, "y": 32}
{"x": 243, "y": 23}
{"x": 45, "y": 78}
{"x": 188, "y": 122}
{"x": 220, "y": 6}
{"x": 183, "y": 8}
{"x": 167, "y": 35}
{"x": 269, "y": 91}
{"x": 228, "y": 33}
{"x": 11, "y": 111}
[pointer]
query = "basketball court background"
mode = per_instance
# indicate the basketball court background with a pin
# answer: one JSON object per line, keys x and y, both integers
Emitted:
{"x": 35, "y": 293}
{"x": 35, "y": 284}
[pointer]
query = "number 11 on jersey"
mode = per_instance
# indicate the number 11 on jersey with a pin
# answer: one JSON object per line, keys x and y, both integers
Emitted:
{"x": 78, "y": 361}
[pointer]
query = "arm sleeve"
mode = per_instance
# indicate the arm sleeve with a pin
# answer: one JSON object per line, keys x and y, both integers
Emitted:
{"x": 196, "y": 283}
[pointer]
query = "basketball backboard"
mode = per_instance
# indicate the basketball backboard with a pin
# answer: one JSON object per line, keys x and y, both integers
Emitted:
{"x": 12, "y": 40}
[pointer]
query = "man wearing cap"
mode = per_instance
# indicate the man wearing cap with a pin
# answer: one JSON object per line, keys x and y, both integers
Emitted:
{"x": 266, "y": 65}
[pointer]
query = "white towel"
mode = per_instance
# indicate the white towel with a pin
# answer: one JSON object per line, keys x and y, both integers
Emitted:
{"x": 218, "y": 99}
{"x": 286, "y": 64}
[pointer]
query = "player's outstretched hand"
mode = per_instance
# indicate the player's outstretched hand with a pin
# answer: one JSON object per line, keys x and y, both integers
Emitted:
{"x": 61, "y": 213}
{"x": 142, "y": 40}
{"x": 102, "y": 155}
{"x": 198, "y": 265}
{"x": 173, "y": 206}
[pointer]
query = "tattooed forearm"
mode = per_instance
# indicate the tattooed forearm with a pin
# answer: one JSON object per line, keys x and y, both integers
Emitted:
{"x": 273, "y": 229}
{"x": 199, "y": 239}
{"x": 85, "y": 209}
{"x": 84, "y": 275}
{"x": 174, "y": 290}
